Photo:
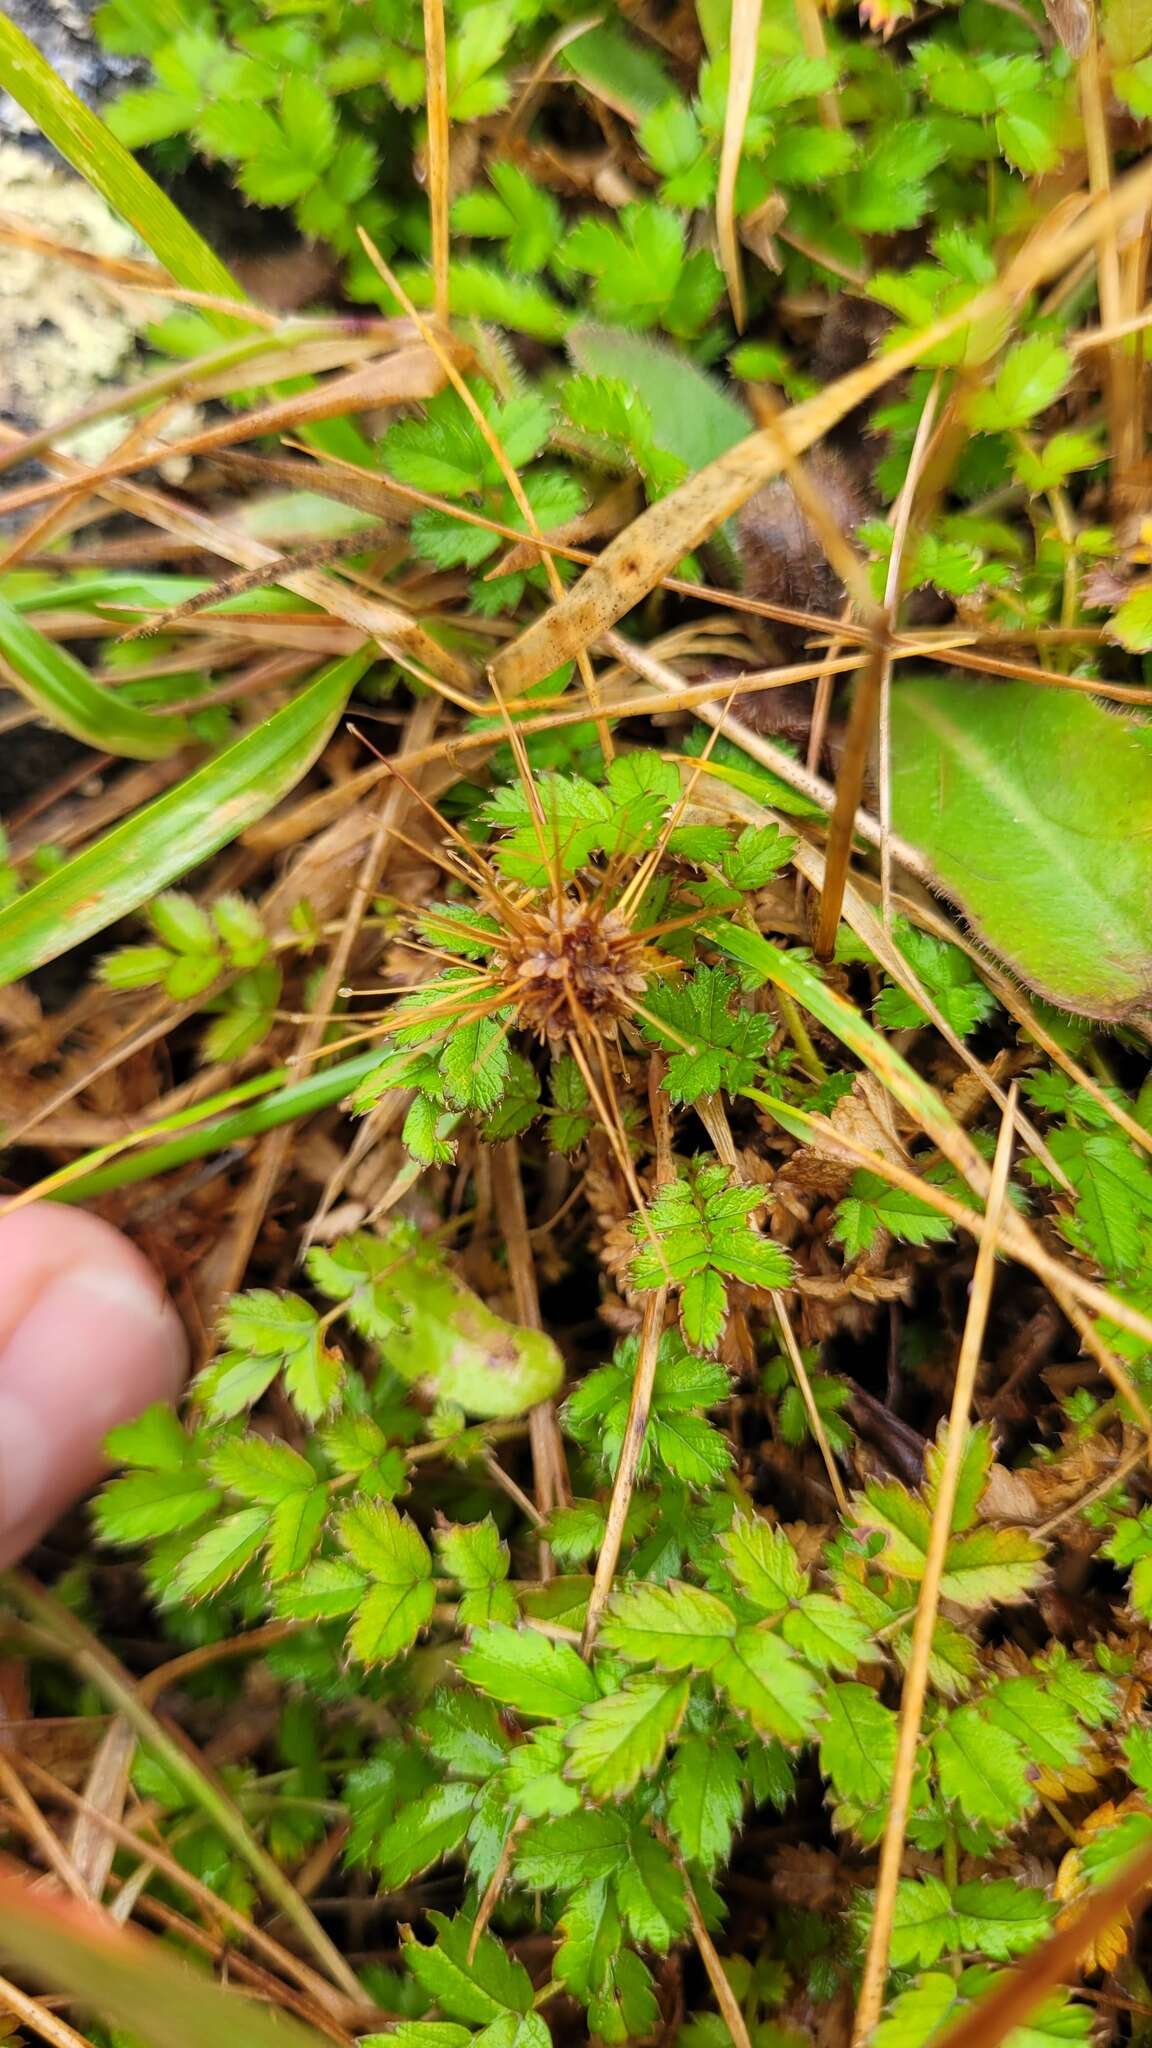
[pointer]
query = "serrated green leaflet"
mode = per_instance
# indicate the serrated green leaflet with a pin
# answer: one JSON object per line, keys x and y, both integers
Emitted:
{"x": 692, "y": 414}
{"x": 177, "y": 831}
{"x": 678, "y": 1627}
{"x": 1034, "y": 808}
{"x": 621, "y": 1738}
{"x": 760, "y": 1675}
{"x": 523, "y": 1669}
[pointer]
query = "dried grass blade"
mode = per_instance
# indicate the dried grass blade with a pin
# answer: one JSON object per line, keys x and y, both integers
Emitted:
{"x": 745, "y": 29}
{"x": 70, "y": 1639}
{"x": 92, "y": 149}
{"x": 92, "y": 1844}
{"x": 987, "y": 2023}
{"x": 138, "y": 1984}
{"x": 916, "y": 1677}
{"x": 647, "y": 550}
{"x": 439, "y": 144}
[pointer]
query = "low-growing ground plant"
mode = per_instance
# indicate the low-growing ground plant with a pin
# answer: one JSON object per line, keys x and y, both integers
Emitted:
{"x": 591, "y": 917}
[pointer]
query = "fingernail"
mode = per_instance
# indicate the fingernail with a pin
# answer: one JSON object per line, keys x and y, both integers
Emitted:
{"x": 98, "y": 1345}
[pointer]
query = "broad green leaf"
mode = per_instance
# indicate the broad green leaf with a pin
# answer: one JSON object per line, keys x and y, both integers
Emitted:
{"x": 259, "y": 1470}
{"x": 762, "y": 1677}
{"x": 999, "y": 1918}
{"x": 923, "y": 1923}
{"x": 480, "y": 1986}
{"x": 625, "y": 74}
{"x": 179, "y": 830}
{"x": 1030, "y": 379}
{"x": 324, "y": 1591}
{"x": 464, "y": 1732}
{"x": 984, "y": 1565}
{"x": 858, "y": 1746}
{"x": 525, "y": 1670}
{"x": 590, "y": 1927}
{"x": 475, "y": 1557}
{"x": 920, "y": 2015}
{"x": 989, "y": 1565}
{"x": 220, "y": 1554}
{"x": 619, "y": 1739}
{"x": 532, "y": 1777}
{"x": 677, "y": 1627}
{"x": 145, "y": 1505}
{"x": 826, "y": 1633}
{"x": 650, "y": 1891}
{"x": 60, "y": 688}
{"x": 295, "y": 1531}
{"x": 432, "y": 1330}
{"x": 422, "y": 1833}
{"x": 1032, "y": 807}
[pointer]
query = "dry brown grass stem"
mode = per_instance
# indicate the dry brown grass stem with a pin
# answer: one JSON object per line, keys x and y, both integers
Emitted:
{"x": 722, "y": 1992}
{"x": 276, "y": 1148}
{"x": 1093, "y": 109}
{"x": 815, "y": 1419}
{"x": 549, "y": 1467}
{"x": 901, "y": 530}
{"x": 45, "y": 2023}
{"x": 915, "y": 1689}
{"x": 438, "y": 153}
{"x": 1018, "y": 1993}
{"x": 643, "y": 1379}
{"x": 391, "y": 627}
{"x": 65, "y": 1635}
{"x": 743, "y": 33}
{"x": 507, "y": 470}
{"x": 214, "y": 1907}
{"x": 43, "y": 1837}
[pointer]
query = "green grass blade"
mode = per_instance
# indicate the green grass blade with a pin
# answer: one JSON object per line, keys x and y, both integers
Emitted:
{"x": 290, "y": 1101}
{"x": 92, "y": 149}
{"x": 182, "y": 828}
{"x": 60, "y": 687}
{"x": 792, "y": 974}
{"x": 134, "y": 1983}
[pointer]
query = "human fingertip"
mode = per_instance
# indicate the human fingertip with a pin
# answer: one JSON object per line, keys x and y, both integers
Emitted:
{"x": 88, "y": 1339}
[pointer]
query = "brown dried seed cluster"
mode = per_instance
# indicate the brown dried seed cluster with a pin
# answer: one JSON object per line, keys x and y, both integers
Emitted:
{"x": 573, "y": 960}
